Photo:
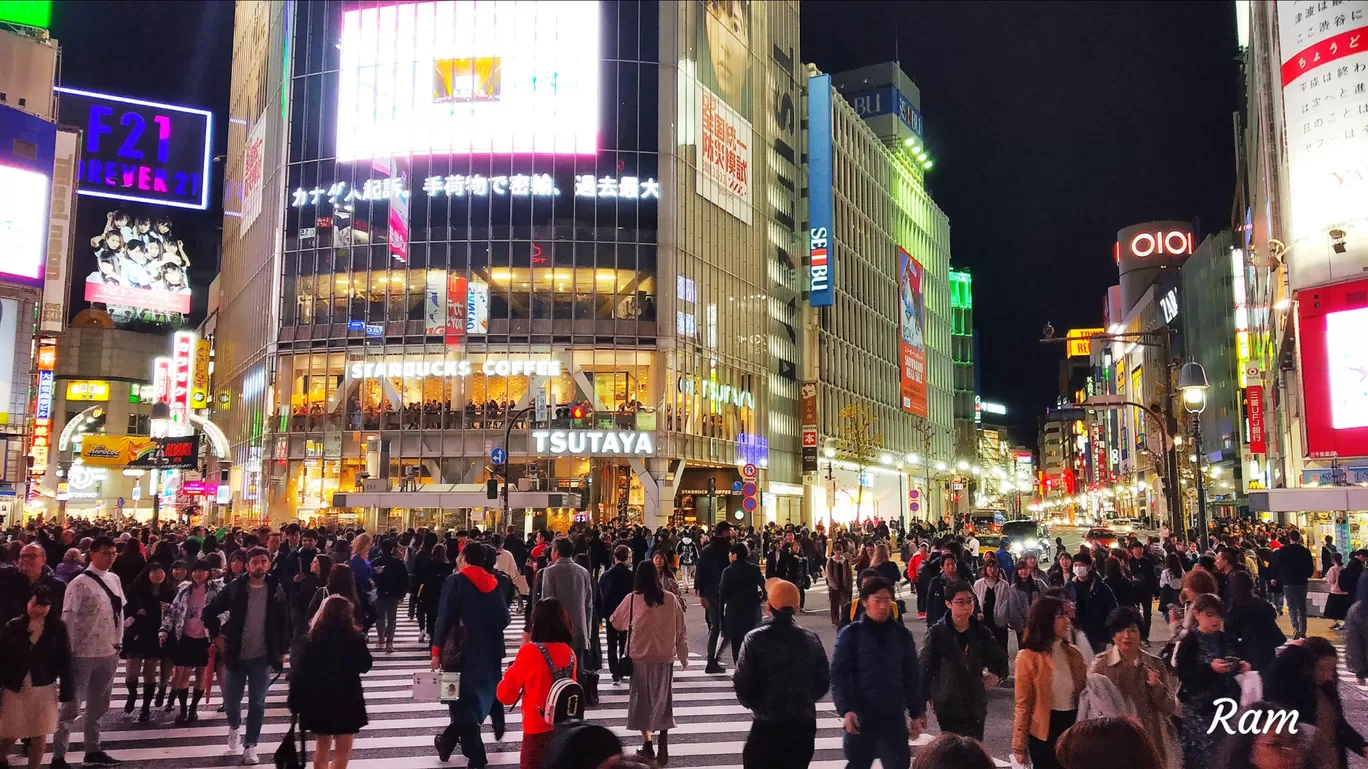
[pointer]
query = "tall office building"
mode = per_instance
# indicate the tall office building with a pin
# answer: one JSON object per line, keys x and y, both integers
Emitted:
{"x": 962, "y": 354}
{"x": 452, "y": 212}
{"x": 878, "y": 316}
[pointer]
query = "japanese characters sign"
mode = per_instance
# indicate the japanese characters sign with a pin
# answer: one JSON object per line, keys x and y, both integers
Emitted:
{"x": 1324, "y": 57}
{"x": 724, "y": 155}
{"x": 480, "y": 186}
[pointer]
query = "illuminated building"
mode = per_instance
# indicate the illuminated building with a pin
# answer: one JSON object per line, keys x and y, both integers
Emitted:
{"x": 1303, "y": 238}
{"x": 636, "y": 223}
{"x": 877, "y": 325}
{"x": 962, "y": 342}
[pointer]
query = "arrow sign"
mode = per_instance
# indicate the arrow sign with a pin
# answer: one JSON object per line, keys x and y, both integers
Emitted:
{"x": 736, "y": 485}
{"x": 748, "y": 471}
{"x": 499, "y": 456}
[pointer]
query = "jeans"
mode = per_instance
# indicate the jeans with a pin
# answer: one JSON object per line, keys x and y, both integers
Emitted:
{"x": 255, "y": 676}
{"x": 427, "y": 617}
{"x": 884, "y": 740}
{"x": 617, "y": 647}
{"x": 386, "y": 617}
{"x": 94, "y": 682}
{"x": 1146, "y": 613}
{"x": 779, "y": 744}
{"x": 1296, "y": 608}
{"x": 1276, "y": 598}
{"x": 714, "y": 619}
{"x": 840, "y": 602}
{"x": 466, "y": 730}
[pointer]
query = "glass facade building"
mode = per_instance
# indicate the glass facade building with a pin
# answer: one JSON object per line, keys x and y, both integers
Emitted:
{"x": 472, "y": 220}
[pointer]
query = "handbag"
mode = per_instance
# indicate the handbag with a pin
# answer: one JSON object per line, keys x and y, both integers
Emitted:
{"x": 589, "y": 680}
{"x": 625, "y": 665}
{"x": 289, "y": 755}
{"x": 427, "y": 685}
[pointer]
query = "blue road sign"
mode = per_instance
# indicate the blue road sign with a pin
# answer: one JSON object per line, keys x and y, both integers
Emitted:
{"x": 499, "y": 456}
{"x": 748, "y": 504}
{"x": 736, "y": 486}
{"x": 356, "y": 325}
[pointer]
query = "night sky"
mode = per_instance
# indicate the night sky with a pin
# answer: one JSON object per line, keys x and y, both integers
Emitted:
{"x": 1053, "y": 125}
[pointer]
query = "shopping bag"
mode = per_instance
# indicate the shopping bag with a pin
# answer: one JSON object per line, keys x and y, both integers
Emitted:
{"x": 449, "y": 686}
{"x": 427, "y": 684}
{"x": 1251, "y": 688}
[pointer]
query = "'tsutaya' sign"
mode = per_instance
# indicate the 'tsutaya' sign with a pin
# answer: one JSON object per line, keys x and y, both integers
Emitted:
{"x": 594, "y": 442}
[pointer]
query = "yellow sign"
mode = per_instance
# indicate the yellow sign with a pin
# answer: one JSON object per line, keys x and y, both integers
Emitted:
{"x": 225, "y": 399}
{"x": 199, "y": 380}
{"x": 1078, "y": 342}
{"x": 114, "y": 450}
{"x": 89, "y": 390}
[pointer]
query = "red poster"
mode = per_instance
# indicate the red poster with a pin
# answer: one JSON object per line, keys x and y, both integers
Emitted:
{"x": 912, "y": 326}
{"x": 456, "y": 308}
{"x": 1254, "y": 405}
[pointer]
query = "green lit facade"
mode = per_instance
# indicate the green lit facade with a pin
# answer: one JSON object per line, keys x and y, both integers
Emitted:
{"x": 962, "y": 359}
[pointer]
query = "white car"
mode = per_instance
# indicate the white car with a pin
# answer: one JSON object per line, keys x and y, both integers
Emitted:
{"x": 1125, "y": 525}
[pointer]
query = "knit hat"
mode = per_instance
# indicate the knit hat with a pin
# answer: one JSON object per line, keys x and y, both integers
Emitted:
{"x": 781, "y": 594}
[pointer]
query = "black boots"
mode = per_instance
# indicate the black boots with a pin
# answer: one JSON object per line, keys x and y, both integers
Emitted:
{"x": 179, "y": 695}
{"x": 149, "y": 691}
{"x": 161, "y": 695}
{"x": 663, "y": 754}
{"x": 647, "y": 750}
{"x": 132, "y": 701}
{"x": 194, "y": 704}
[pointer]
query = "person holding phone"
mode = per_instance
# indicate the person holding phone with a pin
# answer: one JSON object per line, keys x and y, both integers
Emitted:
{"x": 1207, "y": 662}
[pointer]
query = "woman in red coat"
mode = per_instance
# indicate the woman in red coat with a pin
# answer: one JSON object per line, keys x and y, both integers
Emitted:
{"x": 530, "y": 677}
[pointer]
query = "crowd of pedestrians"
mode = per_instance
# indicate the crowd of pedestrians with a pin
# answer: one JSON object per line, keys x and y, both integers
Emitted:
{"x": 183, "y": 608}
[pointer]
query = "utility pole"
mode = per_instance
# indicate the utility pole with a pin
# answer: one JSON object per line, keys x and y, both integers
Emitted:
{"x": 508, "y": 433}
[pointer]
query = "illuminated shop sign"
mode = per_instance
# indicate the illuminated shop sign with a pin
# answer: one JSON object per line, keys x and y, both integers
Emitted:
{"x": 92, "y": 390}
{"x": 453, "y": 368}
{"x": 1168, "y": 304}
{"x": 715, "y": 392}
{"x": 887, "y": 101}
{"x": 821, "y": 202}
{"x": 594, "y": 442}
{"x": 140, "y": 151}
{"x": 481, "y": 186}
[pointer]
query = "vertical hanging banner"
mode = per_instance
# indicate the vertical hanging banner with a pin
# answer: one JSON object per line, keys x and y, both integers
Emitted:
{"x": 912, "y": 325}
{"x": 821, "y": 200}
{"x": 253, "y": 174}
{"x": 435, "y": 304}
{"x": 182, "y": 366}
{"x": 199, "y": 379}
{"x": 1254, "y": 407}
{"x": 61, "y": 220}
{"x": 457, "y": 307}
{"x": 161, "y": 380}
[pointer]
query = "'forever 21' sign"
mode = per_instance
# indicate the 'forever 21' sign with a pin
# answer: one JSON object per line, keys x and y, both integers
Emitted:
{"x": 140, "y": 151}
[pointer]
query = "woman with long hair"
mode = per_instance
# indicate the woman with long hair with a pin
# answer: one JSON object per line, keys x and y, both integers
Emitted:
{"x": 183, "y": 632}
{"x": 656, "y": 639}
{"x": 1050, "y": 675}
{"x": 663, "y": 560}
{"x": 432, "y": 570}
{"x": 1305, "y": 677}
{"x": 141, "y": 650}
{"x": 340, "y": 582}
{"x": 1337, "y": 602}
{"x": 531, "y": 676}
{"x": 1170, "y": 582}
{"x": 1061, "y": 572}
{"x": 1206, "y": 662}
{"x": 1252, "y": 622}
{"x": 325, "y": 688}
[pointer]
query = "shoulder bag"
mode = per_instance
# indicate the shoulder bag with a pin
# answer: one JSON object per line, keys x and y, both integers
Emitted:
{"x": 625, "y": 665}
{"x": 289, "y": 755}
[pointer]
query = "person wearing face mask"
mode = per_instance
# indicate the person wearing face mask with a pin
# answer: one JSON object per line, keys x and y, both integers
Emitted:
{"x": 1092, "y": 599}
{"x": 936, "y": 590}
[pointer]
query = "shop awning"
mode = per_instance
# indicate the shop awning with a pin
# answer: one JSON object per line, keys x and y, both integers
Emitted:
{"x": 454, "y": 499}
{"x": 1334, "y": 499}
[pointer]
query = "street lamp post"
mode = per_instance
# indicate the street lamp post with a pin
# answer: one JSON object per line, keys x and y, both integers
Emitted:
{"x": 508, "y": 434}
{"x": 160, "y": 418}
{"x": 1192, "y": 382}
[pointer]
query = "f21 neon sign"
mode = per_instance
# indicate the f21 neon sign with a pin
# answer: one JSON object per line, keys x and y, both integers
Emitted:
{"x": 140, "y": 151}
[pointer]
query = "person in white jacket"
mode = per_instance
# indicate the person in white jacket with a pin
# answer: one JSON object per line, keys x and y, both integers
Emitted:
{"x": 992, "y": 592}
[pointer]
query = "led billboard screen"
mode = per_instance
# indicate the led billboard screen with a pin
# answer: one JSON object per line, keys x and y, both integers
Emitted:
{"x": 1334, "y": 322}
{"x": 140, "y": 150}
{"x": 141, "y": 270}
{"x": 482, "y": 77}
{"x": 23, "y": 223}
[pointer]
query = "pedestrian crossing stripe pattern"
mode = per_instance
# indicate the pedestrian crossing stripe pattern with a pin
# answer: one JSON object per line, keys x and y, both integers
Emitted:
{"x": 711, "y": 731}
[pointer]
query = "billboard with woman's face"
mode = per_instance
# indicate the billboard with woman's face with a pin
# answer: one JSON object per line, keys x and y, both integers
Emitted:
{"x": 141, "y": 270}
{"x": 722, "y": 105}
{"x": 912, "y": 326}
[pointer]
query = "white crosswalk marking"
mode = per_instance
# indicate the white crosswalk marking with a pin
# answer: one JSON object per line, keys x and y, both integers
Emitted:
{"x": 711, "y": 732}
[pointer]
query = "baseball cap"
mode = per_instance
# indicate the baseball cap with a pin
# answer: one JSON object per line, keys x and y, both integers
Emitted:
{"x": 781, "y": 594}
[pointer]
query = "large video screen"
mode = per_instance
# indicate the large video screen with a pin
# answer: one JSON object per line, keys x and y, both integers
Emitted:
{"x": 467, "y": 78}
{"x": 1347, "y": 356}
{"x": 23, "y": 223}
{"x": 141, "y": 269}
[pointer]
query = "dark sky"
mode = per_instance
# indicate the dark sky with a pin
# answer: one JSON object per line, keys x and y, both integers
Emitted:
{"x": 1053, "y": 125}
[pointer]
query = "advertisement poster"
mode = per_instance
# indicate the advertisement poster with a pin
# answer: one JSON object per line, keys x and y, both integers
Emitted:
{"x": 722, "y": 105}
{"x": 140, "y": 451}
{"x": 1324, "y": 57}
{"x": 821, "y": 199}
{"x": 495, "y": 76}
{"x": 477, "y": 308}
{"x": 182, "y": 364}
{"x": 9, "y": 330}
{"x": 435, "y": 303}
{"x": 912, "y": 326}
{"x": 253, "y": 169}
{"x": 199, "y": 383}
{"x": 61, "y": 223}
{"x": 1347, "y": 364}
{"x": 24, "y": 198}
{"x": 457, "y": 301}
{"x": 1254, "y": 406}
{"x": 141, "y": 270}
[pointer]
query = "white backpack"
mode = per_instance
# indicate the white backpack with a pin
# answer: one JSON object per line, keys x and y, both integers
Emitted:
{"x": 565, "y": 699}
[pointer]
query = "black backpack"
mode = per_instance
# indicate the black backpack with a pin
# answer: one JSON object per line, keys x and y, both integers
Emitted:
{"x": 565, "y": 701}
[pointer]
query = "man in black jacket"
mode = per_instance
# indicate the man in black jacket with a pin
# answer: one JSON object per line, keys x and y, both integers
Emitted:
{"x": 251, "y": 643}
{"x": 1145, "y": 578}
{"x": 391, "y": 582}
{"x": 957, "y": 651}
{"x": 739, "y": 597}
{"x": 780, "y": 675}
{"x": 1293, "y": 566}
{"x": 708, "y": 581}
{"x": 936, "y": 593}
{"x": 613, "y": 587}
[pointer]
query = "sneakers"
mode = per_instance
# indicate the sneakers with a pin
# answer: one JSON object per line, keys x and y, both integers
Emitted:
{"x": 234, "y": 740}
{"x": 422, "y": 638}
{"x": 249, "y": 756}
{"x": 714, "y": 667}
{"x": 100, "y": 758}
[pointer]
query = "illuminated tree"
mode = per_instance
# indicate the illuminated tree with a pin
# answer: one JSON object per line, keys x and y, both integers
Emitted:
{"x": 861, "y": 439}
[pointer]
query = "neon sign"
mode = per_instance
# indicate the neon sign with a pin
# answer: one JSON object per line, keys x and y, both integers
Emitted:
{"x": 481, "y": 186}
{"x": 453, "y": 368}
{"x": 1173, "y": 242}
{"x": 594, "y": 442}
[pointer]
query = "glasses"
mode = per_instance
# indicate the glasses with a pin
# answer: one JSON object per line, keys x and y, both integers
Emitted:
{"x": 963, "y": 602}
{"x": 102, "y": 552}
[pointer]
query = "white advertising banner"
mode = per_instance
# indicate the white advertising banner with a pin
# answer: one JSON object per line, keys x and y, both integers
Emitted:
{"x": 435, "y": 303}
{"x": 1324, "y": 56}
{"x": 253, "y": 174}
{"x": 61, "y": 218}
{"x": 724, "y": 155}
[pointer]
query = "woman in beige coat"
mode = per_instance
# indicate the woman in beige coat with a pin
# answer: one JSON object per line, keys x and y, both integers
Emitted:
{"x": 1143, "y": 681}
{"x": 656, "y": 638}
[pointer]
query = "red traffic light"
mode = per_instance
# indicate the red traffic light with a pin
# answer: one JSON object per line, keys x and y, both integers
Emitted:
{"x": 577, "y": 411}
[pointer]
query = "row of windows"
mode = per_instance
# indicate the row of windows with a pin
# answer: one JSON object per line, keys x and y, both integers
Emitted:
{"x": 481, "y": 256}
